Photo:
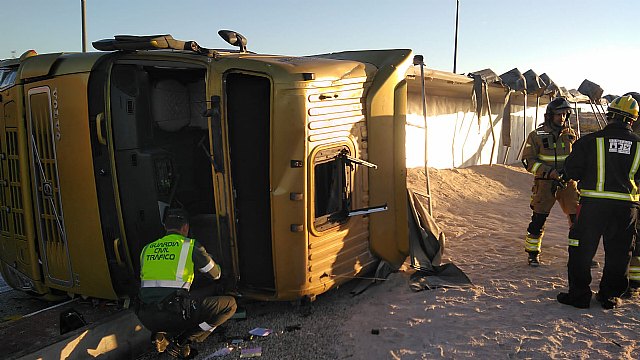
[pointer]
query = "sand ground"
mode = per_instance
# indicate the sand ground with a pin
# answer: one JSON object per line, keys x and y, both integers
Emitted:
{"x": 510, "y": 312}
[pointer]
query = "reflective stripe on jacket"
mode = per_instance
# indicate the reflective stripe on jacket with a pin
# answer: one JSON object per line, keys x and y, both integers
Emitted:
{"x": 168, "y": 263}
{"x": 606, "y": 163}
{"x": 547, "y": 149}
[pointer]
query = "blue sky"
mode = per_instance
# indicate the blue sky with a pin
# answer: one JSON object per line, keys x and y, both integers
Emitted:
{"x": 569, "y": 40}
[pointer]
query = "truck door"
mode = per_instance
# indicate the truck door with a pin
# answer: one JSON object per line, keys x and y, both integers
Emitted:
{"x": 41, "y": 132}
{"x": 248, "y": 120}
{"x": 7, "y": 242}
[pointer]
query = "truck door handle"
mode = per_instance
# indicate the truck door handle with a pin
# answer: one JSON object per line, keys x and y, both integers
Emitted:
{"x": 101, "y": 138}
{"x": 116, "y": 245}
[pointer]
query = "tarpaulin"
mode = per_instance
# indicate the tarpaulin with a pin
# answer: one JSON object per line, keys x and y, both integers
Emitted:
{"x": 426, "y": 245}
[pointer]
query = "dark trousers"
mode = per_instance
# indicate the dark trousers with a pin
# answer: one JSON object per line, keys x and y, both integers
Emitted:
{"x": 209, "y": 312}
{"x": 614, "y": 221}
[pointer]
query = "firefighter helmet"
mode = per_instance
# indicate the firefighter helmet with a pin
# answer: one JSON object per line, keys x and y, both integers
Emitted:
{"x": 558, "y": 105}
{"x": 635, "y": 95}
{"x": 625, "y": 107}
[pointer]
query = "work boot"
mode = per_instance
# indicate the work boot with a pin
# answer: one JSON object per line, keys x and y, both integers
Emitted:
{"x": 181, "y": 351}
{"x": 567, "y": 299}
{"x": 160, "y": 341}
{"x": 534, "y": 259}
{"x": 608, "y": 303}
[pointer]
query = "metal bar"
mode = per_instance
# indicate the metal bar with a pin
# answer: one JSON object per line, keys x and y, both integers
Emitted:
{"x": 535, "y": 124}
{"x": 524, "y": 125}
{"x": 360, "y": 161}
{"x": 426, "y": 152}
{"x": 575, "y": 108}
{"x": 493, "y": 135}
{"x": 595, "y": 113}
{"x": 83, "y": 4}
{"x": 604, "y": 121}
{"x": 369, "y": 210}
{"x": 455, "y": 43}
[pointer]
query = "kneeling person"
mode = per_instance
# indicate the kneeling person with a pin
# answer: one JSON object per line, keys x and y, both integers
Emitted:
{"x": 167, "y": 268}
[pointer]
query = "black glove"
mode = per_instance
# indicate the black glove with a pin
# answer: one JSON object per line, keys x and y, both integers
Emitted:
{"x": 558, "y": 185}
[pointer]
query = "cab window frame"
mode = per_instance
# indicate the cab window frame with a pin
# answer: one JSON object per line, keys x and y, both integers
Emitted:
{"x": 332, "y": 178}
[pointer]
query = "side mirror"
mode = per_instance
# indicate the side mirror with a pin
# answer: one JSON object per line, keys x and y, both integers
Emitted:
{"x": 234, "y": 39}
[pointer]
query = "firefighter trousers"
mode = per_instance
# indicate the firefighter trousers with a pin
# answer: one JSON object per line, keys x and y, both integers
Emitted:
{"x": 542, "y": 201}
{"x": 634, "y": 265}
{"x": 614, "y": 221}
{"x": 543, "y": 198}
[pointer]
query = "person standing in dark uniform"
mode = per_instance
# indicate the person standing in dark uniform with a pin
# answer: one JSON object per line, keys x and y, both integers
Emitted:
{"x": 606, "y": 165}
{"x": 634, "y": 265}
{"x": 174, "y": 316}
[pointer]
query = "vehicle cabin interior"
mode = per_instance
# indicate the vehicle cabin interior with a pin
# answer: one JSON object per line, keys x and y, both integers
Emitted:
{"x": 162, "y": 157}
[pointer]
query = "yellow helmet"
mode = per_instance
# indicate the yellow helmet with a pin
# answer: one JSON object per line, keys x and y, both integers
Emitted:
{"x": 625, "y": 106}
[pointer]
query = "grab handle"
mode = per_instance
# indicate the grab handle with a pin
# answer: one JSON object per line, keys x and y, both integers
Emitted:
{"x": 116, "y": 245}
{"x": 101, "y": 138}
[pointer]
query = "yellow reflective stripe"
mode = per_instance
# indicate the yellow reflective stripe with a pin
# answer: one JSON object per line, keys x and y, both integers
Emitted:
{"x": 532, "y": 241}
{"x": 574, "y": 242}
{"x": 634, "y": 170}
{"x": 532, "y": 244}
{"x": 600, "y": 164}
{"x": 535, "y": 167}
{"x": 609, "y": 195}
{"x": 552, "y": 157}
{"x": 634, "y": 268}
{"x": 184, "y": 253}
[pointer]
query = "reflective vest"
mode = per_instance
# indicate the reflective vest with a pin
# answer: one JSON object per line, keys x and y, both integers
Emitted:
{"x": 168, "y": 263}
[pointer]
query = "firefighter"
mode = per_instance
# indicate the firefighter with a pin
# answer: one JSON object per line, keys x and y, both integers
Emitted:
{"x": 606, "y": 165}
{"x": 543, "y": 155}
{"x": 175, "y": 317}
{"x": 634, "y": 265}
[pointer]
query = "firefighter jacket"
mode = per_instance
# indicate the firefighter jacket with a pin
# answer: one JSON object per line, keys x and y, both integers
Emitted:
{"x": 547, "y": 149}
{"x": 606, "y": 164}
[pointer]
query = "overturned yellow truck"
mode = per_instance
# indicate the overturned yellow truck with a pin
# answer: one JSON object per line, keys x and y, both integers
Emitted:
{"x": 292, "y": 168}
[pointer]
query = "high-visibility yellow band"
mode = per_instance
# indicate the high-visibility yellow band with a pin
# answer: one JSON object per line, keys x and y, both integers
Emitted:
{"x": 529, "y": 247}
{"x": 574, "y": 242}
{"x": 609, "y": 195}
{"x": 634, "y": 170}
{"x": 600, "y": 164}
{"x": 535, "y": 167}
{"x": 552, "y": 157}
